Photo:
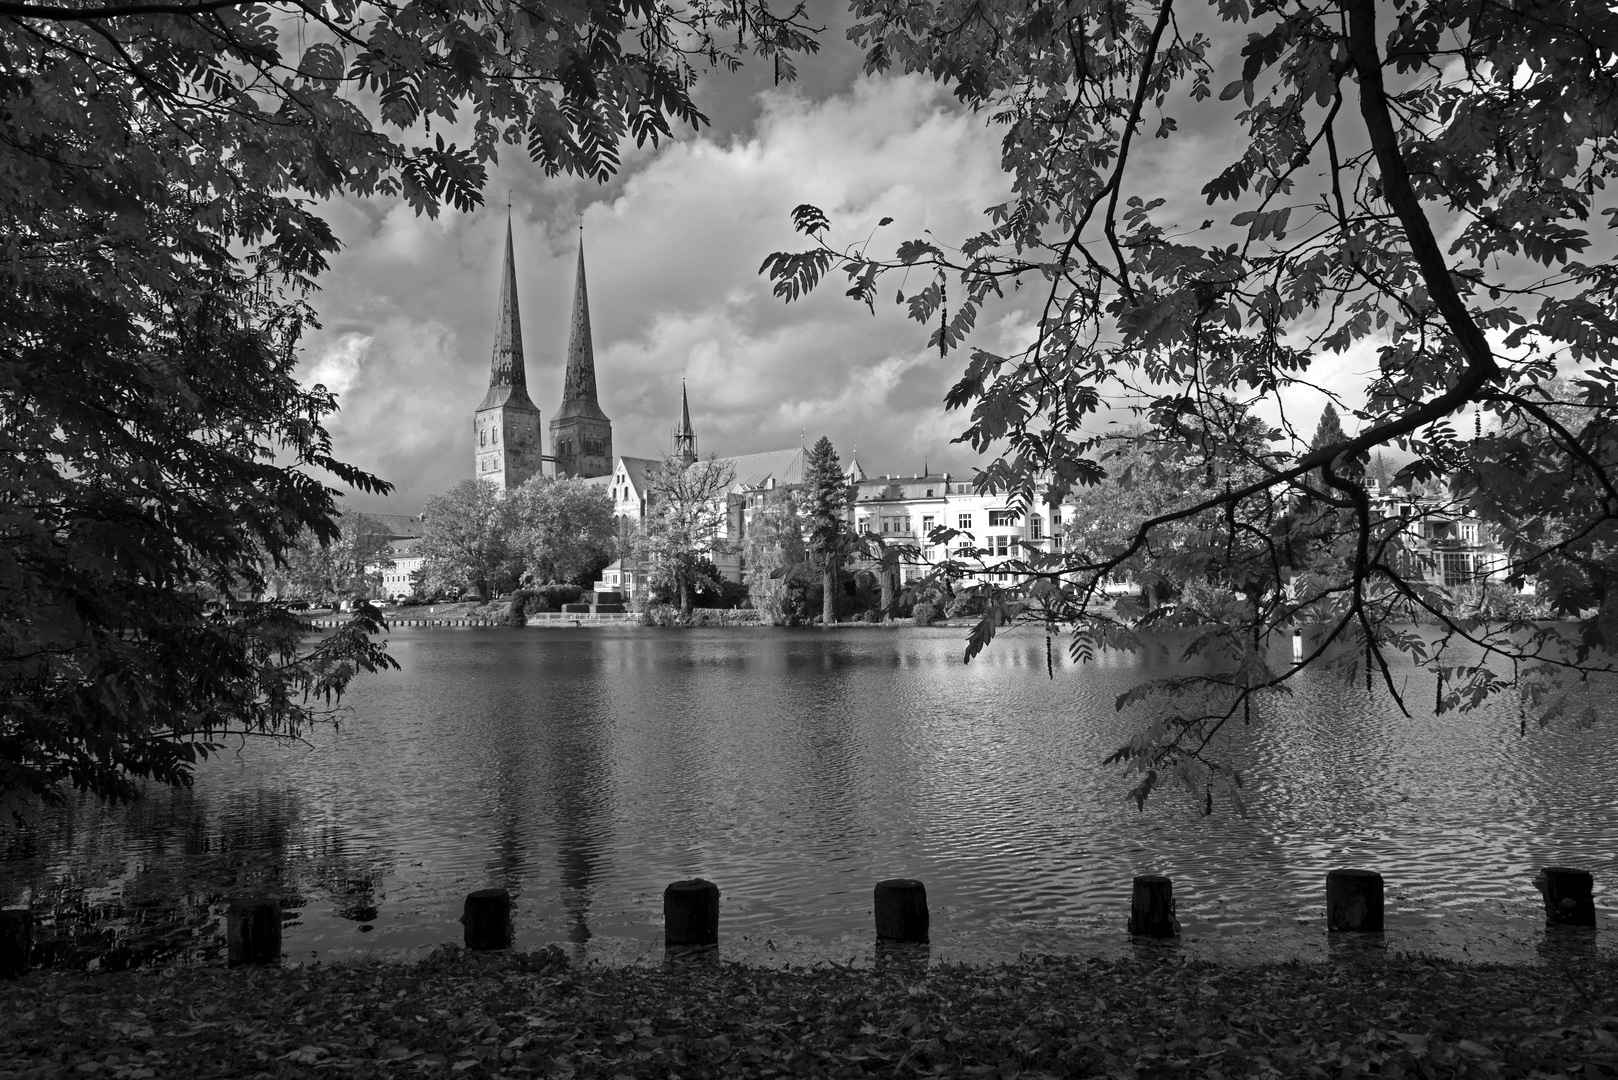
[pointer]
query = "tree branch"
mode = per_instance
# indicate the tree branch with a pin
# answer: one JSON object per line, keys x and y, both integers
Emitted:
{"x": 58, "y": 13}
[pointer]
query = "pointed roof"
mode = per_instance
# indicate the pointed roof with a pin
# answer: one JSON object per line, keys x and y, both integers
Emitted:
{"x": 579, "y": 383}
{"x": 683, "y": 430}
{"x": 854, "y": 472}
{"x": 507, "y": 367}
{"x": 508, "y": 376}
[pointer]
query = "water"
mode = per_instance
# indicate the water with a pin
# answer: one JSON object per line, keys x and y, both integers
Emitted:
{"x": 585, "y": 769}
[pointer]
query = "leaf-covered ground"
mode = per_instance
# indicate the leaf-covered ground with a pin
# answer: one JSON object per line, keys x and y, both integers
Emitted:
{"x": 456, "y": 1015}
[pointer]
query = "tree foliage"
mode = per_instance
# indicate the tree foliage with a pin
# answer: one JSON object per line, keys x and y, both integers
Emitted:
{"x": 687, "y": 508}
{"x": 162, "y": 172}
{"x": 468, "y": 541}
{"x": 338, "y": 568}
{"x": 775, "y": 555}
{"x": 1356, "y": 136}
{"x": 563, "y": 530}
{"x": 826, "y": 520}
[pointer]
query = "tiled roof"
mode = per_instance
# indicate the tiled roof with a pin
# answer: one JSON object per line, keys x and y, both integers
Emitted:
{"x": 756, "y": 470}
{"x": 636, "y": 469}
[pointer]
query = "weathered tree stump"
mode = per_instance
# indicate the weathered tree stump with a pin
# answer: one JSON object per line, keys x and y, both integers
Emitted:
{"x": 1569, "y": 896}
{"x": 901, "y": 910}
{"x": 691, "y": 913}
{"x": 1354, "y": 900}
{"x": 486, "y": 919}
{"x": 1151, "y": 907}
{"x": 16, "y": 941}
{"x": 253, "y": 932}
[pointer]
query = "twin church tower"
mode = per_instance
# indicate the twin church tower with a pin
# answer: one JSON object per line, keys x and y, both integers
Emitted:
{"x": 510, "y": 446}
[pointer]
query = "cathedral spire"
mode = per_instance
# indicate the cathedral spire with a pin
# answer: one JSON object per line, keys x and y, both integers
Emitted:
{"x": 580, "y": 381}
{"x": 506, "y": 368}
{"x": 685, "y": 437}
{"x": 581, "y": 434}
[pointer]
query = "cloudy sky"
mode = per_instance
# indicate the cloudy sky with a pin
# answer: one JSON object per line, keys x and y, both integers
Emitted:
{"x": 673, "y": 246}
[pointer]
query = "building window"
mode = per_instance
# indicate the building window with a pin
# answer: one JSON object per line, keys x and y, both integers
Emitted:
{"x": 927, "y": 526}
{"x": 1056, "y": 520}
{"x": 1001, "y": 545}
{"x": 963, "y": 521}
{"x": 929, "y": 493}
{"x": 1002, "y": 519}
{"x": 1457, "y": 568}
{"x": 865, "y": 525}
{"x": 1034, "y": 527}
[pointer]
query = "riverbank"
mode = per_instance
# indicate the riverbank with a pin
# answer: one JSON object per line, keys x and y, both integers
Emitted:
{"x": 522, "y": 1015}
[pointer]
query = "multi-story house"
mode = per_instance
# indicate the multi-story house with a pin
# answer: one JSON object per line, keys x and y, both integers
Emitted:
{"x": 905, "y": 510}
{"x": 1453, "y": 547}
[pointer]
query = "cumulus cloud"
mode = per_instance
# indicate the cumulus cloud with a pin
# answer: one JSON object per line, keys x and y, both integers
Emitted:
{"x": 673, "y": 249}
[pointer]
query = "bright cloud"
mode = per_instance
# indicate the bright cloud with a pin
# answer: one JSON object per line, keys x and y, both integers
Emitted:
{"x": 673, "y": 249}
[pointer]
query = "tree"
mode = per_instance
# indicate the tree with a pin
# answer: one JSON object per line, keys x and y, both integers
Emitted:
{"x": 1329, "y": 431}
{"x": 826, "y": 516}
{"x": 1355, "y": 140}
{"x": 339, "y": 567}
{"x": 687, "y": 506}
{"x": 774, "y": 554}
{"x": 467, "y": 542}
{"x": 563, "y": 530}
{"x": 162, "y": 172}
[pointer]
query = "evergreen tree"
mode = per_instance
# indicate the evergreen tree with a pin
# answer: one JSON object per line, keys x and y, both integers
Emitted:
{"x": 827, "y": 489}
{"x": 1329, "y": 432}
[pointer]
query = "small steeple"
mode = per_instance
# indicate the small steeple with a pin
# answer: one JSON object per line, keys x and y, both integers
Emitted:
{"x": 685, "y": 437}
{"x": 506, "y": 368}
{"x": 580, "y": 381}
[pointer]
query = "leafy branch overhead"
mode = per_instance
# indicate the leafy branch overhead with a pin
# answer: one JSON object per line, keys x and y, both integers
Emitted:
{"x": 1420, "y": 193}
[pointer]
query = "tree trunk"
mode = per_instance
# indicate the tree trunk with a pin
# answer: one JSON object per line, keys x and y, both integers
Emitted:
{"x": 828, "y": 601}
{"x": 887, "y": 573}
{"x": 685, "y": 596}
{"x": 483, "y": 590}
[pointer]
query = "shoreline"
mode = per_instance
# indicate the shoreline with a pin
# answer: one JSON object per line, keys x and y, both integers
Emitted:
{"x": 456, "y": 1013}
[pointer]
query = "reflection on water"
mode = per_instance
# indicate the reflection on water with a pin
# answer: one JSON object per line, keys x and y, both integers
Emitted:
{"x": 585, "y": 769}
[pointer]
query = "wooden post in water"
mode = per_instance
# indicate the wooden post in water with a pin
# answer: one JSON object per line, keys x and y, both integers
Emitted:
{"x": 1297, "y": 646}
{"x": 486, "y": 919}
{"x": 1151, "y": 907}
{"x": 1354, "y": 900}
{"x": 253, "y": 931}
{"x": 1569, "y": 896}
{"x": 16, "y": 941}
{"x": 901, "y": 910}
{"x": 691, "y": 913}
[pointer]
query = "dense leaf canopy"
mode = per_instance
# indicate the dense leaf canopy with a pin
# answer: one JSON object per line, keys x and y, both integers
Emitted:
{"x": 1417, "y": 187}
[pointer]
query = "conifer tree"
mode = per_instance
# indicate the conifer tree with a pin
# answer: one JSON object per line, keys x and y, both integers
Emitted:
{"x": 828, "y": 524}
{"x": 1329, "y": 431}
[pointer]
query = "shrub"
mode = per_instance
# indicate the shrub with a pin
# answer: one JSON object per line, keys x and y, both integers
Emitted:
{"x": 964, "y": 606}
{"x": 518, "y": 606}
{"x": 872, "y": 616}
{"x": 925, "y": 614}
{"x": 669, "y": 615}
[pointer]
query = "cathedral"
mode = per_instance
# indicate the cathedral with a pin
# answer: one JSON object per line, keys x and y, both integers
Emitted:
{"x": 510, "y": 444}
